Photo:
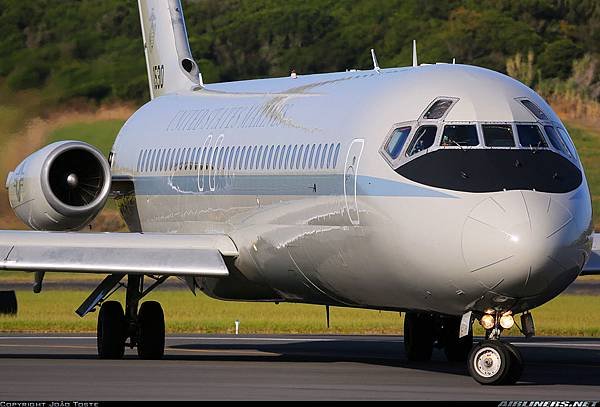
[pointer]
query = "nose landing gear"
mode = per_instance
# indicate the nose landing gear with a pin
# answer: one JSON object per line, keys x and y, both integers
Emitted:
{"x": 493, "y": 361}
{"x": 489, "y": 362}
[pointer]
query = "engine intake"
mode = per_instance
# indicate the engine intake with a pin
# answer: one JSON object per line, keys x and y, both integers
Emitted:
{"x": 60, "y": 187}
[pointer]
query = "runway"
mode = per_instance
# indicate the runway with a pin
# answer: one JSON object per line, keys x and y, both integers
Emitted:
{"x": 283, "y": 368}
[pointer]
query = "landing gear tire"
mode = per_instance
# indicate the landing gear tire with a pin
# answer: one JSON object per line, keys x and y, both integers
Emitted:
{"x": 456, "y": 349}
{"x": 418, "y": 336}
{"x": 111, "y": 331}
{"x": 151, "y": 331}
{"x": 492, "y": 362}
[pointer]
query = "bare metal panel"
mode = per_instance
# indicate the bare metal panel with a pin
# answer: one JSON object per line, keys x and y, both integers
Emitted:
{"x": 163, "y": 241}
{"x": 128, "y": 253}
{"x": 195, "y": 262}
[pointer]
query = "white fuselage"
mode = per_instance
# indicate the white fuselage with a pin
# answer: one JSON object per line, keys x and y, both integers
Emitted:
{"x": 294, "y": 171}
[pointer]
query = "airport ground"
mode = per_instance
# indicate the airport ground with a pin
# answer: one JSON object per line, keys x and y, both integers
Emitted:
{"x": 289, "y": 367}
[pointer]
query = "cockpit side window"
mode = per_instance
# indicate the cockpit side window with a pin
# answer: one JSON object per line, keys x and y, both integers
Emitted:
{"x": 567, "y": 140}
{"x": 423, "y": 139}
{"x": 498, "y": 135}
{"x": 460, "y": 135}
{"x": 534, "y": 109}
{"x": 530, "y": 135}
{"x": 438, "y": 109}
{"x": 397, "y": 141}
{"x": 555, "y": 140}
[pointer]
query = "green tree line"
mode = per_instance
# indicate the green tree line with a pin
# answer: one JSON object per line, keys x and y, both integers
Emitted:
{"x": 92, "y": 49}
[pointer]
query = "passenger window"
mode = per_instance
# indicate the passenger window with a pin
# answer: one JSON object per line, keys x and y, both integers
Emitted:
{"x": 567, "y": 140}
{"x": 140, "y": 160}
{"x": 151, "y": 166}
{"x": 170, "y": 160}
{"x": 311, "y": 156}
{"x": 460, "y": 135}
{"x": 324, "y": 156}
{"x": 258, "y": 155}
{"x": 396, "y": 142}
{"x": 242, "y": 154}
{"x": 305, "y": 157}
{"x": 284, "y": 150}
{"x": 219, "y": 160}
{"x": 438, "y": 109}
{"x": 161, "y": 162}
{"x": 276, "y": 157}
{"x": 299, "y": 157}
{"x": 293, "y": 158}
{"x": 161, "y": 157}
{"x": 270, "y": 158}
{"x": 318, "y": 156}
{"x": 193, "y": 158}
{"x": 533, "y": 108}
{"x": 235, "y": 157}
{"x": 155, "y": 159}
{"x": 186, "y": 154}
{"x": 336, "y": 155}
{"x": 423, "y": 139}
{"x": 498, "y": 135}
{"x": 530, "y": 135}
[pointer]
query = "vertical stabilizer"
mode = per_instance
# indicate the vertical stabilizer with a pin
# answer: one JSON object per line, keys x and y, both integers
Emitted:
{"x": 169, "y": 61}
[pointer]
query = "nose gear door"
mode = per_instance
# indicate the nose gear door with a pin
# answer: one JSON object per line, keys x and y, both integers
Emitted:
{"x": 350, "y": 178}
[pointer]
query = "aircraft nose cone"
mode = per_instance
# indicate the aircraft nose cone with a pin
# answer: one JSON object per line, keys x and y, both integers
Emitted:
{"x": 521, "y": 243}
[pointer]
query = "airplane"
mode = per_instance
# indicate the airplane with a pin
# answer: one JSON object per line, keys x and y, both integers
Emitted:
{"x": 449, "y": 192}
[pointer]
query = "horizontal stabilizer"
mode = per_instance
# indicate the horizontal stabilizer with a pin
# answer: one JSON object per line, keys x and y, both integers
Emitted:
{"x": 127, "y": 253}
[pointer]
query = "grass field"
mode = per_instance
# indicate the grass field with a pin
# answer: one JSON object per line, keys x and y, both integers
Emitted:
{"x": 100, "y": 134}
{"x": 53, "y": 311}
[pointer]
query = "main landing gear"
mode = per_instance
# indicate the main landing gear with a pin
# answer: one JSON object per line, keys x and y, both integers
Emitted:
{"x": 423, "y": 331}
{"x": 145, "y": 328}
{"x": 490, "y": 362}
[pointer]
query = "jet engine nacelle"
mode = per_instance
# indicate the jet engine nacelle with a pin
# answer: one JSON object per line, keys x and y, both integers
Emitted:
{"x": 63, "y": 186}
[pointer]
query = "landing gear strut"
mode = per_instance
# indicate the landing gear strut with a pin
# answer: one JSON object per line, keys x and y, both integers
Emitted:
{"x": 145, "y": 328}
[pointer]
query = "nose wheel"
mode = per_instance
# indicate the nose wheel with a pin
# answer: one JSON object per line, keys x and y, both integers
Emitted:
{"x": 493, "y": 362}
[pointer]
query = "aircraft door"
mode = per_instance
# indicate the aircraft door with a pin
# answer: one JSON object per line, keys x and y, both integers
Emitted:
{"x": 350, "y": 178}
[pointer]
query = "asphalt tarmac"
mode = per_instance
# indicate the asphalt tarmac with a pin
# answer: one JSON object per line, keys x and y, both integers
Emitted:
{"x": 284, "y": 368}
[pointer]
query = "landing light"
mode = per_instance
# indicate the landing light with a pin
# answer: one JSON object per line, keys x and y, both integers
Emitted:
{"x": 487, "y": 321}
{"x": 507, "y": 321}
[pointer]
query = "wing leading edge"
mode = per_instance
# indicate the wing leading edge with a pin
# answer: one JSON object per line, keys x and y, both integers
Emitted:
{"x": 128, "y": 253}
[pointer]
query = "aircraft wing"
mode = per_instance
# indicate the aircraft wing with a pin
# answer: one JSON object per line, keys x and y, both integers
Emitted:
{"x": 593, "y": 264}
{"x": 159, "y": 254}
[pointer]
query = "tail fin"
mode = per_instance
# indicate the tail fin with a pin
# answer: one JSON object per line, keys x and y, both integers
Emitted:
{"x": 169, "y": 61}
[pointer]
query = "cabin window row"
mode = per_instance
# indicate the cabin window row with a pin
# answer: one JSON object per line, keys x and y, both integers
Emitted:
{"x": 248, "y": 158}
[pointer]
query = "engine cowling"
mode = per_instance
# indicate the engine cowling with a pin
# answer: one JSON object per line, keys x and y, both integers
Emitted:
{"x": 63, "y": 186}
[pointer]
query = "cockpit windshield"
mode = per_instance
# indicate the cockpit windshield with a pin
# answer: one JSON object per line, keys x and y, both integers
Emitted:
{"x": 498, "y": 135}
{"x": 530, "y": 135}
{"x": 423, "y": 139}
{"x": 460, "y": 135}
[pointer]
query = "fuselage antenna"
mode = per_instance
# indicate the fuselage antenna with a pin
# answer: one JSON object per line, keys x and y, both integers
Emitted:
{"x": 375, "y": 62}
{"x": 415, "y": 63}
